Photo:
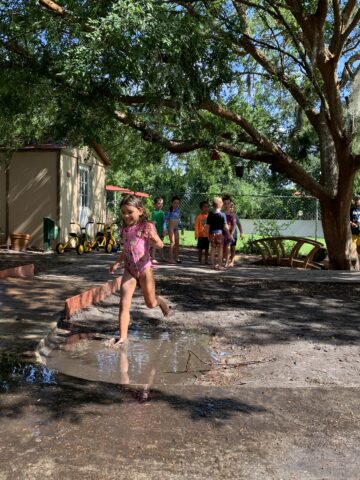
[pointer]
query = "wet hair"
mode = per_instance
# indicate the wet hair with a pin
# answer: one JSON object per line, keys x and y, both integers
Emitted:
{"x": 201, "y": 204}
{"x": 217, "y": 202}
{"x": 134, "y": 201}
{"x": 172, "y": 201}
{"x": 157, "y": 199}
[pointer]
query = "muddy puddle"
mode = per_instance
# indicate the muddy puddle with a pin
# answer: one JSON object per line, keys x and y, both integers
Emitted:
{"x": 148, "y": 358}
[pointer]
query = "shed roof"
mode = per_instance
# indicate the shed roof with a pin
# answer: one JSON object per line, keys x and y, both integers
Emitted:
{"x": 113, "y": 188}
{"x": 59, "y": 146}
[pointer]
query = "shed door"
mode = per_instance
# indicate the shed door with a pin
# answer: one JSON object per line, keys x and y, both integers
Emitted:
{"x": 84, "y": 194}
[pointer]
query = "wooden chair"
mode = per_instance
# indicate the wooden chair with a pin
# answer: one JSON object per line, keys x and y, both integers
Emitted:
{"x": 273, "y": 252}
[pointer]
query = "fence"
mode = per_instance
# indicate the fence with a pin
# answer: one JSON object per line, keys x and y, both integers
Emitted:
{"x": 294, "y": 215}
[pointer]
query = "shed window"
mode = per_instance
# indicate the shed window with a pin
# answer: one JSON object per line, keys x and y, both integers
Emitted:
{"x": 84, "y": 193}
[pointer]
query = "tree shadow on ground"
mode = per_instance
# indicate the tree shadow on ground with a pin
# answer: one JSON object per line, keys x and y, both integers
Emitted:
{"x": 61, "y": 397}
{"x": 265, "y": 312}
{"x": 247, "y": 313}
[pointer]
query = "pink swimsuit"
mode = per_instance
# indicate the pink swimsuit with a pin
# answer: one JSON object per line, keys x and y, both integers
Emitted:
{"x": 136, "y": 242}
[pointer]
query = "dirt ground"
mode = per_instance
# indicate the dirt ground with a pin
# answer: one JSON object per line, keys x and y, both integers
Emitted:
{"x": 262, "y": 333}
{"x": 280, "y": 402}
{"x": 265, "y": 329}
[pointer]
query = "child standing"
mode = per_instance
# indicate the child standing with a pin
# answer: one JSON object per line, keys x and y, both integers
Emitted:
{"x": 138, "y": 235}
{"x": 202, "y": 232}
{"x": 229, "y": 235}
{"x": 157, "y": 217}
{"x": 217, "y": 226}
{"x": 172, "y": 225}
{"x": 237, "y": 226}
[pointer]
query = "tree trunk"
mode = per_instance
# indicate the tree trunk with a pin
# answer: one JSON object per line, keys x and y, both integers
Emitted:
{"x": 335, "y": 215}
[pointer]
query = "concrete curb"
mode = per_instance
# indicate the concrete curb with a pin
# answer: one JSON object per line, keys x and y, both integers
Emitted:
{"x": 89, "y": 297}
{"x": 23, "y": 271}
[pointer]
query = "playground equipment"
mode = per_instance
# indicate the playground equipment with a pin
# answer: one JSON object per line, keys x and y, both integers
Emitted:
{"x": 103, "y": 239}
{"x": 100, "y": 238}
{"x": 72, "y": 242}
{"x": 83, "y": 242}
{"x": 111, "y": 241}
{"x": 86, "y": 243}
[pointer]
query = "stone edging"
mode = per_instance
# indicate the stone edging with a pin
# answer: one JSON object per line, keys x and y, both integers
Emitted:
{"x": 90, "y": 297}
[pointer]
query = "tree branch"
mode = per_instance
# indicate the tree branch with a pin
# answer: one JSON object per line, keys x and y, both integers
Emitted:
{"x": 334, "y": 42}
{"x": 53, "y": 7}
{"x": 246, "y": 44}
{"x": 283, "y": 160}
{"x": 150, "y": 135}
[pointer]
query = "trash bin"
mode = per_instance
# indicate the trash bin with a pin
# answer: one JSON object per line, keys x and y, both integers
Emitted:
{"x": 51, "y": 232}
{"x": 19, "y": 241}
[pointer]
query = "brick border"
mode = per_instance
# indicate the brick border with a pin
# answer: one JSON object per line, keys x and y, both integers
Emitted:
{"x": 90, "y": 297}
{"x": 22, "y": 271}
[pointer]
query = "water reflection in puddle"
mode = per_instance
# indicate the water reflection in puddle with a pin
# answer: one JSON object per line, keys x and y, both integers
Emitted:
{"x": 148, "y": 358}
{"x": 15, "y": 372}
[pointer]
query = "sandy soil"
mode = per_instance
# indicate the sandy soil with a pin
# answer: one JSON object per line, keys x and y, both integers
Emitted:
{"x": 262, "y": 333}
{"x": 247, "y": 421}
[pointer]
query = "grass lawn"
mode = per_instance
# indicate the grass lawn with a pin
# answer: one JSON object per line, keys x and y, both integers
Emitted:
{"x": 188, "y": 240}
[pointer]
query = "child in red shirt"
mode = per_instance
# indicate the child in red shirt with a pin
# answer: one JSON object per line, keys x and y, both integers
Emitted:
{"x": 202, "y": 231}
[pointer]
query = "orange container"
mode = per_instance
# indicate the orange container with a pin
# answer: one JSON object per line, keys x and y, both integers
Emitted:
{"x": 19, "y": 241}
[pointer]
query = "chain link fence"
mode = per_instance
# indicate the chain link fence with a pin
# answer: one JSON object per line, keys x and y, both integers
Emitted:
{"x": 248, "y": 207}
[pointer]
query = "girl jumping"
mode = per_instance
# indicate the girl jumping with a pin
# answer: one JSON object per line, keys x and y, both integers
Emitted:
{"x": 172, "y": 225}
{"x": 137, "y": 235}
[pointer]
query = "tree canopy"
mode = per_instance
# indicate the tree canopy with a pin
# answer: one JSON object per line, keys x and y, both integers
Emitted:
{"x": 260, "y": 80}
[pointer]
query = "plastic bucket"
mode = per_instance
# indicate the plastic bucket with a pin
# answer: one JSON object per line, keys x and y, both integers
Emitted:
{"x": 19, "y": 241}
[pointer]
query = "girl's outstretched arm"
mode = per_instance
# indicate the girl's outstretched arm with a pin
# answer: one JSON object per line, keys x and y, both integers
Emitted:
{"x": 156, "y": 241}
{"x": 238, "y": 223}
{"x": 116, "y": 264}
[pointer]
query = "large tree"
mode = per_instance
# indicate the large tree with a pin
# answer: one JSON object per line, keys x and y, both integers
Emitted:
{"x": 259, "y": 80}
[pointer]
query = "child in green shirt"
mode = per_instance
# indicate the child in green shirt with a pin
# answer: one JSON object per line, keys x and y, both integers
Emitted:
{"x": 157, "y": 218}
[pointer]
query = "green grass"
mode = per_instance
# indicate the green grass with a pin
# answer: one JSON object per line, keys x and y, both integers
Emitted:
{"x": 188, "y": 240}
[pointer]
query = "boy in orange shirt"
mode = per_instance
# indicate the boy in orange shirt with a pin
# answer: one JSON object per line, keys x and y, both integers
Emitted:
{"x": 202, "y": 231}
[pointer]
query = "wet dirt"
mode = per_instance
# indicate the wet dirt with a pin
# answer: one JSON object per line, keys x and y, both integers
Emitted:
{"x": 148, "y": 358}
{"x": 262, "y": 333}
{"x": 255, "y": 421}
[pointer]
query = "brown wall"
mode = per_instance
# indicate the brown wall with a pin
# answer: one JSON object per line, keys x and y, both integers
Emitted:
{"x": 69, "y": 196}
{"x": 69, "y": 188}
{"x": 2, "y": 201}
{"x": 98, "y": 198}
{"x": 32, "y": 192}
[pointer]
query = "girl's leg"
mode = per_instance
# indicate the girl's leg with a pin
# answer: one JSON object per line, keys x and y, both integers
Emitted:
{"x": 161, "y": 253}
{"x": 172, "y": 245}
{"x": 147, "y": 284}
{"x": 127, "y": 289}
{"x": 177, "y": 246}
{"x": 200, "y": 255}
{"x": 206, "y": 257}
{"x": 226, "y": 255}
{"x": 220, "y": 255}
{"x": 212, "y": 255}
{"x": 232, "y": 256}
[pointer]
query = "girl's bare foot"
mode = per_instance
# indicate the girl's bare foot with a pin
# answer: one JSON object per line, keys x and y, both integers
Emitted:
{"x": 115, "y": 342}
{"x": 164, "y": 306}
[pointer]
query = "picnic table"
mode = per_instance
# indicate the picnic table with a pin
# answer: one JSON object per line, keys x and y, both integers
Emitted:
{"x": 275, "y": 251}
